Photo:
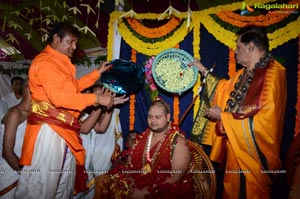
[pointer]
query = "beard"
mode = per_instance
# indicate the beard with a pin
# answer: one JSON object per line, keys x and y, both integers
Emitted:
{"x": 70, "y": 53}
{"x": 160, "y": 129}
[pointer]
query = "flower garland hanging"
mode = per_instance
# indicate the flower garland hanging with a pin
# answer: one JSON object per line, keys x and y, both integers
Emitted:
{"x": 176, "y": 108}
{"x": 231, "y": 63}
{"x": 226, "y": 33}
{"x": 235, "y": 22}
{"x": 132, "y": 98}
{"x": 241, "y": 21}
{"x": 153, "y": 32}
{"x": 159, "y": 38}
{"x": 131, "y": 111}
{"x": 151, "y": 46}
{"x": 297, "y": 119}
{"x": 196, "y": 50}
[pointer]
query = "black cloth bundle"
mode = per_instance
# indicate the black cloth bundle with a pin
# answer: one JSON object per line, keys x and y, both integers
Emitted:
{"x": 124, "y": 77}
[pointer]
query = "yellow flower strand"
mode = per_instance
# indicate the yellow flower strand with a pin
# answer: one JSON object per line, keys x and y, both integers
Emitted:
{"x": 284, "y": 34}
{"x": 196, "y": 50}
{"x": 229, "y": 39}
{"x": 277, "y": 38}
{"x": 297, "y": 125}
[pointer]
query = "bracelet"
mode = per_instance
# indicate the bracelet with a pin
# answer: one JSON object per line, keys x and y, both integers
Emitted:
{"x": 98, "y": 100}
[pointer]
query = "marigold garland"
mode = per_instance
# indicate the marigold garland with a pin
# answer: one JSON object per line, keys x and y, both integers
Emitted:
{"x": 231, "y": 63}
{"x": 260, "y": 20}
{"x": 297, "y": 119}
{"x": 154, "y": 32}
{"x": 176, "y": 103}
{"x": 133, "y": 55}
{"x": 176, "y": 109}
{"x": 152, "y": 40}
{"x": 132, "y": 98}
{"x": 227, "y": 37}
{"x": 196, "y": 49}
{"x": 155, "y": 47}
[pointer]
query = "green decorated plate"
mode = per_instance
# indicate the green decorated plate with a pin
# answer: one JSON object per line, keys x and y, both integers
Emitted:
{"x": 171, "y": 71}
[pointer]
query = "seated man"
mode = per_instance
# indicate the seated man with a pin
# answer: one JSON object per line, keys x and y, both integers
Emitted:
{"x": 157, "y": 165}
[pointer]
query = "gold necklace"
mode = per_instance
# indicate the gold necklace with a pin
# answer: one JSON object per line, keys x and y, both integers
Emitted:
{"x": 147, "y": 164}
{"x": 147, "y": 167}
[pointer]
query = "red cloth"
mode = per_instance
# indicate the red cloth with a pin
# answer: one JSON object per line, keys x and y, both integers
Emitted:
{"x": 80, "y": 179}
{"x": 155, "y": 180}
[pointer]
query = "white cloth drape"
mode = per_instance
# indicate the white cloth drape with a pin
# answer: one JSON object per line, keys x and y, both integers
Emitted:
{"x": 99, "y": 149}
{"x": 116, "y": 42}
{"x": 100, "y": 146}
{"x": 52, "y": 170}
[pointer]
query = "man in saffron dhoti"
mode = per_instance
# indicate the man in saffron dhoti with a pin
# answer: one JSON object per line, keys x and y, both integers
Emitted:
{"x": 52, "y": 145}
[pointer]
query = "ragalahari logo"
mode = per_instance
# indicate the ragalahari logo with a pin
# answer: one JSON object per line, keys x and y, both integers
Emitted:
{"x": 245, "y": 9}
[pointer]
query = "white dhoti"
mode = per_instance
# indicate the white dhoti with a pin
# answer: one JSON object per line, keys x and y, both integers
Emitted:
{"x": 8, "y": 176}
{"x": 52, "y": 170}
{"x": 99, "y": 149}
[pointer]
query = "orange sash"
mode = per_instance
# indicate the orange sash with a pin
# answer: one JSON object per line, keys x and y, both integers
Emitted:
{"x": 62, "y": 122}
{"x": 43, "y": 112}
